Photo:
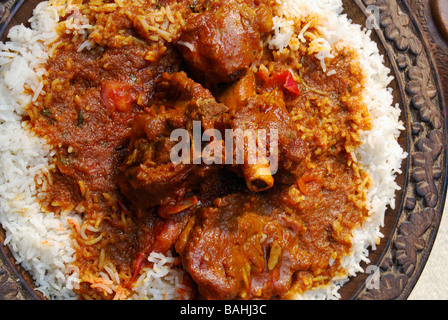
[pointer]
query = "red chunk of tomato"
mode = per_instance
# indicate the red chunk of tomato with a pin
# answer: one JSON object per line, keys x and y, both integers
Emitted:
{"x": 117, "y": 96}
{"x": 291, "y": 85}
{"x": 311, "y": 182}
{"x": 283, "y": 80}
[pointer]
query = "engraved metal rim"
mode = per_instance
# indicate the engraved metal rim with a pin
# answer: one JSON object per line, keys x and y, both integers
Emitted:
{"x": 395, "y": 270}
{"x": 391, "y": 267}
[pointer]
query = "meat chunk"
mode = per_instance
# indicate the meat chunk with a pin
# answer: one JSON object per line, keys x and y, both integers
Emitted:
{"x": 268, "y": 111}
{"x": 219, "y": 44}
{"x": 280, "y": 148}
{"x": 148, "y": 176}
{"x": 260, "y": 254}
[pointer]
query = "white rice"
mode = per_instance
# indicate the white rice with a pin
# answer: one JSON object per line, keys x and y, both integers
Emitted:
{"x": 39, "y": 241}
{"x": 42, "y": 242}
{"x": 161, "y": 281}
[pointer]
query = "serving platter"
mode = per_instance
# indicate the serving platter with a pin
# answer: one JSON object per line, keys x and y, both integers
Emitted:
{"x": 413, "y": 37}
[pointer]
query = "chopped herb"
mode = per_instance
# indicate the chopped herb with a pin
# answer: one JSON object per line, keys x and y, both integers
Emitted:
{"x": 64, "y": 161}
{"x": 45, "y": 113}
{"x": 80, "y": 120}
{"x": 158, "y": 6}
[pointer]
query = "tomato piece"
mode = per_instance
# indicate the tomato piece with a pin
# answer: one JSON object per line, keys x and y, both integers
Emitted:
{"x": 282, "y": 79}
{"x": 291, "y": 85}
{"x": 311, "y": 182}
{"x": 117, "y": 96}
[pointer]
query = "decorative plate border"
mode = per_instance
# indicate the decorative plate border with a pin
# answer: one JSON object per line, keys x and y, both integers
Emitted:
{"x": 413, "y": 54}
{"x": 423, "y": 102}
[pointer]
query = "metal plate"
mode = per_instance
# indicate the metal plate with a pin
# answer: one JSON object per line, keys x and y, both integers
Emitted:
{"x": 412, "y": 36}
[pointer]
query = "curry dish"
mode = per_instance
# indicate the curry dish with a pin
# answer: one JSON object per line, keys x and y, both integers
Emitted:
{"x": 238, "y": 231}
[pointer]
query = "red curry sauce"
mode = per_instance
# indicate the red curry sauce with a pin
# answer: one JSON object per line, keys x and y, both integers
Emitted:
{"x": 233, "y": 242}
